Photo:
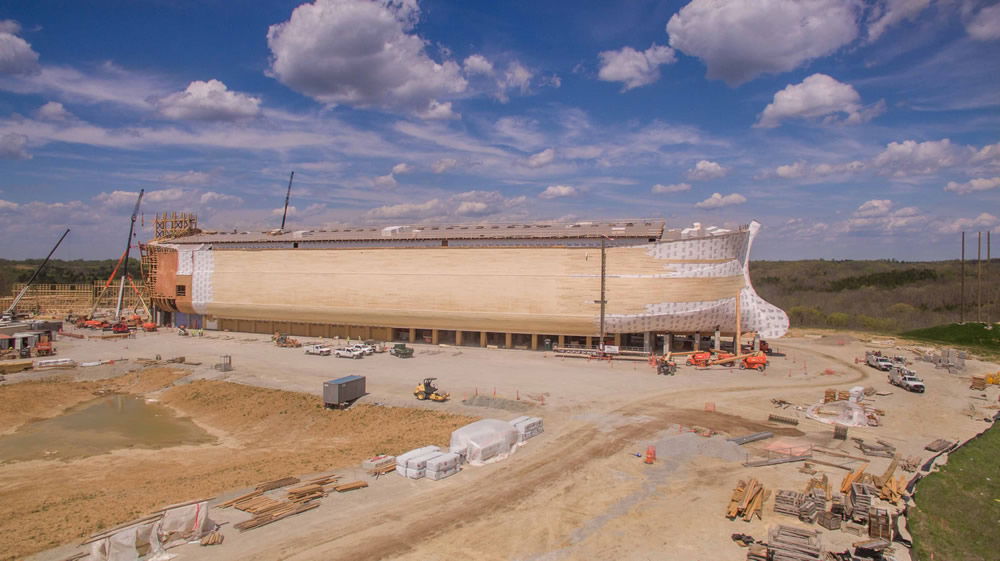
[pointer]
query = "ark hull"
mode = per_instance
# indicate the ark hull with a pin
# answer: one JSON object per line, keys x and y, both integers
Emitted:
{"x": 547, "y": 286}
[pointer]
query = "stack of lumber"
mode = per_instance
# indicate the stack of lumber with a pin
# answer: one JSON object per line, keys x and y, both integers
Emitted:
{"x": 843, "y": 396}
{"x": 787, "y": 502}
{"x": 238, "y": 499}
{"x": 859, "y": 503}
{"x": 747, "y": 499}
{"x": 279, "y": 511}
{"x": 794, "y": 544}
{"x": 978, "y": 383}
{"x": 780, "y": 419}
{"x": 882, "y": 449}
{"x": 312, "y": 489}
{"x": 809, "y": 509}
{"x": 278, "y": 483}
{"x": 382, "y": 470}
{"x": 837, "y": 506}
{"x": 212, "y": 538}
{"x": 893, "y": 490}
{"x": 819, "y": 484}
{"x": 881, "y": 480}
{"x": 829, "y": 520}
{"x": 257, "y": 505}
{"x": 350, "y": 486}
{"x": 829, "y": 395}
{"x": 850, "y": 478}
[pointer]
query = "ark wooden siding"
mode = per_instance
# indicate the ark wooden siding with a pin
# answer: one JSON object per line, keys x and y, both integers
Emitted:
{"x": 537, "y": 290}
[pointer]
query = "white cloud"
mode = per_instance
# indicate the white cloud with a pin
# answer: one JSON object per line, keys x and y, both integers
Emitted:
{"x": 543, "y": 158}
{"x": 484, "y": 203}
{"x": 674, "y": 188}
{"x": 12, "y": 147}
{"x": 910, "y": 157}
{"x": 164, "y": 195}
{"x": 122, "y": 199}
{"x": 189, "y": 177}
{"x": 438, "y": 111}
{"x": 7, "y": 205}
{"x": 444, "y": 164}
{"x": 741, "y": 39}
{"x": 891, "y": 12}
{"x": 801, "y": 169}
{"x": 818, "y": 95}
{"x": 10, "y": 26}
{"x": 519, "y": 132}
{"x": 282, "y": 211}
{"x": 54, "y": 111}
{"x": 212, "y": 198}
{"x": 477, "y": 64}
{"x": 984, "y": 221}
{"x": 555, "y": 191}
{"x": 877, "y": 215}
{"x": 384, "y": 181}
{"x": 984, "y": 25}
{"x": 407, "y": 210}
{"x": 401, "y": 168}
{"x": 635, "y": 68}
{"x": 209, "y": 101}
{"x": 989, "y": 155}
{"x": 979, "y": 184}
{"x": 360, "y": 53}
{"x": 705, "y": 170}
{"x": 515, "y": 77}
{"x": 16, "y": 55}
{"x": 717, "y": 200}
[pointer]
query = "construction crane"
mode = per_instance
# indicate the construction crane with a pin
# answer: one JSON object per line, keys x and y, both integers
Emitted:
{"x": 128, "y": 246}
{"x": 8, "y": 315}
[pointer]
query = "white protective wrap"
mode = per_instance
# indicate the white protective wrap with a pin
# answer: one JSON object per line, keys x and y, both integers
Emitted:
{"x": 407, "y": 467}
{"x": 527, "y": 428}
{"x": 485, "y": 441}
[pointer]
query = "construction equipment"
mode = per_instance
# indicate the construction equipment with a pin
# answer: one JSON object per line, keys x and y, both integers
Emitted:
{"x": 401, "y": 350}
{"x": 706, "y": 358}
{"x": 427, "y": 390}
{"x": 9, "y": 313}
{"x": 665, "y": 366}
{"x": 757, "y": 361}
{"x": 44, "y": 348}
{"x": 149, "y": 326}
{"x": 120, "y": 328}
{"x": 284, "y": 340}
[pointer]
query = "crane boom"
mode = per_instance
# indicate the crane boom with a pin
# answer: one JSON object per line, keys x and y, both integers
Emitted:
{"x": 13, "y": 305}
{"x": 288, "y": 194}
{"x": 128, "y": 246}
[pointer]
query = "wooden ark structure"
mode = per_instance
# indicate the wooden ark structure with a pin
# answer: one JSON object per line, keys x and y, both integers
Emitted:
{"x": 474, "y": 284}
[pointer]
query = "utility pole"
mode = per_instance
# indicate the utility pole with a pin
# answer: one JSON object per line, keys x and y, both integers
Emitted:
{"x": 961, "y": 300}
{"x": 979, "y": 278}
{"x": 991, "y": 296}
{"x": 603, "y": 301}
{"x": 288, "y": 194}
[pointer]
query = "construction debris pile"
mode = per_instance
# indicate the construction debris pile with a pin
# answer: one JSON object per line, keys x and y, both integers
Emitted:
{"x": 847, "y": 408}
{"x": 747, "y": 500}
{"x": 950, "y": 359}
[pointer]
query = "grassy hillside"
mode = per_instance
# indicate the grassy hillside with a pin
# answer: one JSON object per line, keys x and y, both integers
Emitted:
{"x": 885, "y": 296}
{"x": 957, "y": 507}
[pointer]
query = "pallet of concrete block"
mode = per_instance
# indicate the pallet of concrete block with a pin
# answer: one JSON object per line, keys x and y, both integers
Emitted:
{"x": 413, "y": 464}
{"x": 485, "y": 441}
{"x": 527, "y": 427}
{"x": 444, "y": 464}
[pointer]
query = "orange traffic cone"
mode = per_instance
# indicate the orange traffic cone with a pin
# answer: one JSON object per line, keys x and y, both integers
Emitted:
{"x": 650, "y": 454}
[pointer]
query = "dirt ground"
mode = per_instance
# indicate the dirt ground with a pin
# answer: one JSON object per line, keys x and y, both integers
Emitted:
{"x": 575, "y": 492}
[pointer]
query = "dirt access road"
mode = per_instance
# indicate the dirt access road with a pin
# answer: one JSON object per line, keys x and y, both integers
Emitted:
{"x": 576, "y": 492}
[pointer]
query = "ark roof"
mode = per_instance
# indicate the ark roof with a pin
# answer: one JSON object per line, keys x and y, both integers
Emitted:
{"x": 644, "y": 229}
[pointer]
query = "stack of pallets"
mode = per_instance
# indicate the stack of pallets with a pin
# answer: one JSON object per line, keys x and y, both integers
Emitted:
{"x": 880, "y": 525}
{"x": 794, "y": 544}
{"x": 787, "y": 502}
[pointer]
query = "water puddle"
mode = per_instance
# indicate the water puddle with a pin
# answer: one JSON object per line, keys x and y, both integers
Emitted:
{"x": 99, "y": 426}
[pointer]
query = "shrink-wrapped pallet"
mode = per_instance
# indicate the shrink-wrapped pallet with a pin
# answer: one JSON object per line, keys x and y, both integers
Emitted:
{"x": 443, "y": 462}
{"x": 436, "y": 475}
{"x": 403, "y": 459}
{"x": 527, "y": 427}
{"x": 485, "y": 441}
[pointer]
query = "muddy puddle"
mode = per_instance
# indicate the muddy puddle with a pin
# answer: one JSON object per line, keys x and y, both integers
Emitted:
{"x": 100, "y": 426}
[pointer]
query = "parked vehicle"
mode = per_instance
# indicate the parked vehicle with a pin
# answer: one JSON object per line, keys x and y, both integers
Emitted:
{"x": 401, "y": 350}
{"x": 362, "y": 348}
{"x": 347, "y": 352}
{"x": 321, "y": 350}
{"x": 906, "y": 379}
{"x": 876, "y": 360}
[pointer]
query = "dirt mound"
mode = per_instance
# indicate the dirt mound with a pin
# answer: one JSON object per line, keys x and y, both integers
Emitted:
{"x": 278, "y": 433}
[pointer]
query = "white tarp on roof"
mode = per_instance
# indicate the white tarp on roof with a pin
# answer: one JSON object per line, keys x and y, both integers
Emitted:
{"x": 485, "y": 441}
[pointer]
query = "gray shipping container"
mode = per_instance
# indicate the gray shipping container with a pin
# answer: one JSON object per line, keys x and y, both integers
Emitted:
{"x": 342, "y": 391}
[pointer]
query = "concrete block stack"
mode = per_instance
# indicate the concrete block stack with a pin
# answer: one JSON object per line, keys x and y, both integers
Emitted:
{"x": 444, "y": 464}
{"x": 527, "y": 428}
{"x": 413, "y": 464}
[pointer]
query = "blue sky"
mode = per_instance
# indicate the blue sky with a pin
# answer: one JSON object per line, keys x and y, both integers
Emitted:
{"x": 849, "y": 129}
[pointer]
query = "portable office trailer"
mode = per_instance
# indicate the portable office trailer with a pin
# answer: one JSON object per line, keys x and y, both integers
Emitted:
{"x": 343, "y": 391}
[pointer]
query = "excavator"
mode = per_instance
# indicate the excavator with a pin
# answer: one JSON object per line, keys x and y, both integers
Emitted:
{"x": 427, "y": 390}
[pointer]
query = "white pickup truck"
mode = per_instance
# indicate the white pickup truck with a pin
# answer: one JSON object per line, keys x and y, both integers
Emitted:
{"x": 906, "y": 379}
{"x": 876, "y": 360}
{"x": 321, "y": 350}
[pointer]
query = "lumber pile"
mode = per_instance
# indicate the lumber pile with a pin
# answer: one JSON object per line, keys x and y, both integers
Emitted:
{"x": 257, "y": 505}
{"x": 280, "y": 511}
{"x": 747, "y": 500}
{"x": 212, "y": 538}
{"x": 781, "y": 419}
{"x": 978, "y": 383}
{"x": 880, "y": 525}
{"x": 850, "y": 478}
{"x": 278, "y": 483}
{"x": 350, "y": 486}
{"x": 829, "y": 395}
{"x": 859, "y": 502}
{"x": 893, "y": 490}
{"x": 786, "y": 543}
